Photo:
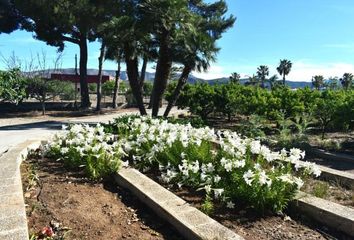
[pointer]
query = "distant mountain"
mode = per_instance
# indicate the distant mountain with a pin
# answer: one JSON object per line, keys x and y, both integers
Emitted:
{"x": 150, "y": 77}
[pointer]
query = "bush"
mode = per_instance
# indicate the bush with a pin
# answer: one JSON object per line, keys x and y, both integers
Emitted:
{"x": 330, "y": 109}
{"x": 12, "y": 86}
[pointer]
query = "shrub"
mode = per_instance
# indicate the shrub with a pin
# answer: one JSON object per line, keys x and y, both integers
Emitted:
{"x": 12, "y": 86}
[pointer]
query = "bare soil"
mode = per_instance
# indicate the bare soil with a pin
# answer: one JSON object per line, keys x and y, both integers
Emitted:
{"x": 77, "y": 208}
{"x": 253, "y": 225}
{"x": 331, "y": 191}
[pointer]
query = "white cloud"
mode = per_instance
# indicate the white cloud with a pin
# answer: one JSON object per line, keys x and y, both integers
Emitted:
{"x": 214, "y": 71}
{"x": 303, "y": 71}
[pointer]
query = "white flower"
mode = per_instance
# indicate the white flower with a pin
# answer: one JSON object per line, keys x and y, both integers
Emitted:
{"x": 257, "y": 166}
{"x": 218, "y": 192}
{"x": 248, "y": 177}
{"x": 298, "y": 182}
{"x": 210, "y": 167}
{"x": 217, "y": 178}
{"x": 255, "y": 147}
{"x": 64, "y": 150}
{"x": 228, "y": 166}
{"x": 264, "y": 179}
{"x": 240, "y": 164}
{"x": 207, "y": 188}
{"x": 230, "y": 205}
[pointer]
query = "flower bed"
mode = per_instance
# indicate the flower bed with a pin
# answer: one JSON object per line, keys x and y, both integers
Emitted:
{"x": 235, "y": 171}
{"x": 87, "y": 147}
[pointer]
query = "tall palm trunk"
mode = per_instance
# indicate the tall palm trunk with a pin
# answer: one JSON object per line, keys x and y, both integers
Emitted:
{"x": 133, "y": 76}
{"x": 116, "y": 85}
{"x": 284, "y": 79}
{"x": 143, "y": 71}
{"x": 99, "y": 82}
{"x": 163, "y": 68}
{"x": 85, "y": 98}
{"x": 181, "y": 82}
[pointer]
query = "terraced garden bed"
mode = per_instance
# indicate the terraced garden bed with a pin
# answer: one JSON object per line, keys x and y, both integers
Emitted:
{"x": 252, "y": 224}
{"x": 71, "y": 206}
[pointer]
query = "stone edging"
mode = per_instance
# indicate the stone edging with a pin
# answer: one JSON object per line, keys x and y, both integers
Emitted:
{"x": 331, "y": 156}
{"x": 330, "y": 214}
{"x": 189, "y": 221}
{"x": 343, "y": 178}
{"x": 13, "y": 221}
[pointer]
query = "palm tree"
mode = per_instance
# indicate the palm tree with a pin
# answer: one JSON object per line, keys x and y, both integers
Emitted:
{"x": 284, "y": 68}
{"x": 197, "y": 49}
{"x": 262, "y": 73}
{"x": 347, "y": 80}
{"x": 273, "y": 81}
{"x": 318, "y": 81}
{"x": 252, "y": 81}
{"x": 235, "y": 78}
{"x": 203, "y": 52}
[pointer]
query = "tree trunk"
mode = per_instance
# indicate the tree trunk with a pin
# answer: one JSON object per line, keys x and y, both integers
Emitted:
{"x": 163, "y": 68}
{"x": 143, "y": 72}
{"x": 181, "y": 82}
{"x": 99, "y": 82}
{"x": 133, "y": 76}
{"x": 116, "y": 85}
{"x": 43, "y": 104}
{"x": 85, "y": 97}
{"x": 284, "y": 79}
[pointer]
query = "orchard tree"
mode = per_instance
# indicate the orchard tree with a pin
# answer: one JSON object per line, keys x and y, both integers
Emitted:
{"x": 262, "y": 73}
{"x": 60, "y": 21}
{"x": 12, "y": 86}
{"x": 44, "y": 89}
{"x": 318, "y": 81}
{"x": 284, "y": 68}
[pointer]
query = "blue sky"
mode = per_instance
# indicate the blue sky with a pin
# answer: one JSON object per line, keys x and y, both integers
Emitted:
{"x": 316, "y": 35}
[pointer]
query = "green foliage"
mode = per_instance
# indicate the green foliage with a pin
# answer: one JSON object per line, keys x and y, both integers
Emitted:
{"x": 10, "y": 19}
{"x": 284, "y": 68}
{"x": 108, "y": 88}
{"x": 12, "y": 86}
{"x": 199, "y": 99}
{"x": 147, "y": 88}
{"x": 208, "y": 206}
{"x": 328, "y": 109}
{"x": 318, "y": 81}
{"x": 92, "y": 87}
{"x": 194, "y": 121}
{"x": 320, "y": 189}
{"x": 253, "y": 127}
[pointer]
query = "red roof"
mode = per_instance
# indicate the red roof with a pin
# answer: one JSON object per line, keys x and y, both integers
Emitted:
{"x": 76, "y": 78}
